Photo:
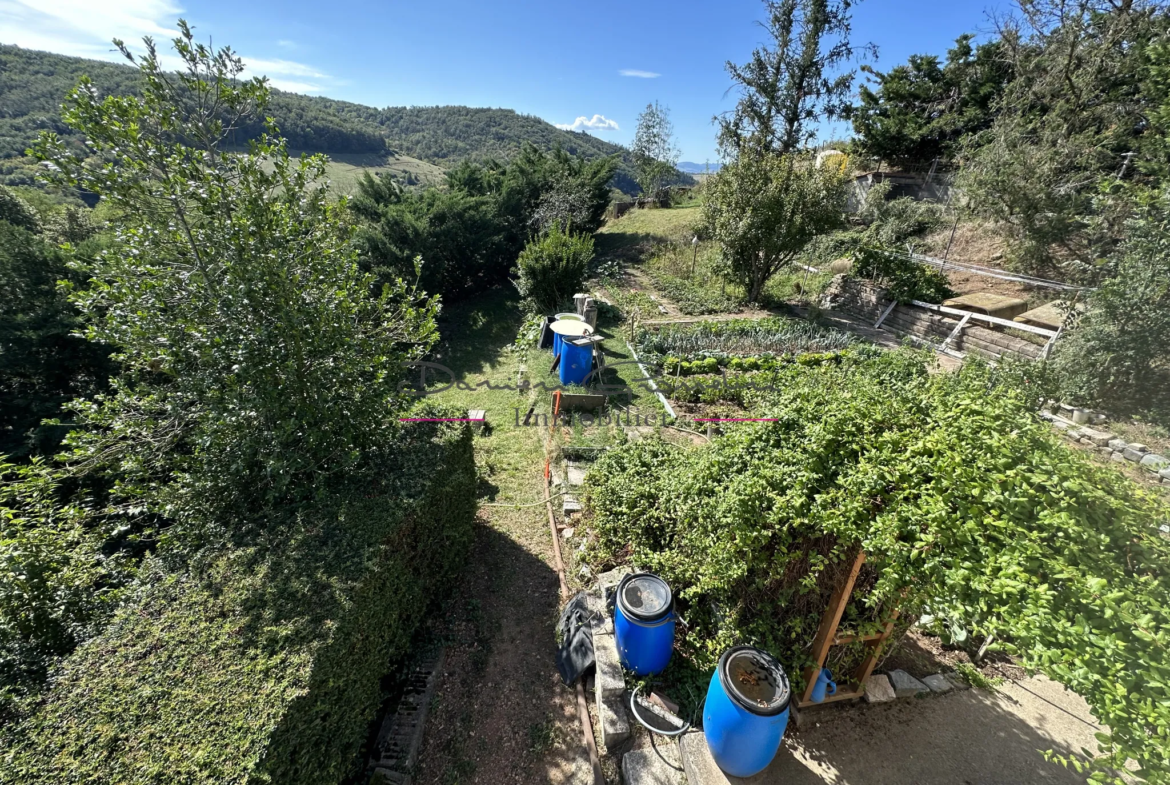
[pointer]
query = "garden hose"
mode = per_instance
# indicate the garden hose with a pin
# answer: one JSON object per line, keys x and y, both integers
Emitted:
{"x": 634, "y": 710}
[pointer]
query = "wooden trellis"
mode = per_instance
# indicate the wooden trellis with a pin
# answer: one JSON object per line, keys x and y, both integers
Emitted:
{"x": 827, "y": 638}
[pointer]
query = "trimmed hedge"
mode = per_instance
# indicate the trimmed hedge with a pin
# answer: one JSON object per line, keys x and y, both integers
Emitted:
{"x": 261, "y": 663}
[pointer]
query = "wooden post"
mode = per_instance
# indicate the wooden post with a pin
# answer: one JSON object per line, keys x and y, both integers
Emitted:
{"x": 828, "y": 628}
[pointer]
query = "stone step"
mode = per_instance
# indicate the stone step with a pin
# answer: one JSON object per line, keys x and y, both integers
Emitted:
{"x": 655, "y": 765}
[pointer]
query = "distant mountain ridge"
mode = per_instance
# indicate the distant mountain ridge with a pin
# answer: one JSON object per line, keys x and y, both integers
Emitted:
{"x": 690, "y": 167}
{"x": 33, "y": 84}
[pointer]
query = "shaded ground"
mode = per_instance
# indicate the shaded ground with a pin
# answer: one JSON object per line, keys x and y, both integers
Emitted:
{"x": 969, "y": 737}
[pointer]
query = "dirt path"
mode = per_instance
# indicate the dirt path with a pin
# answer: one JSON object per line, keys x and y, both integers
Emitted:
{"x": 500, "y": 714}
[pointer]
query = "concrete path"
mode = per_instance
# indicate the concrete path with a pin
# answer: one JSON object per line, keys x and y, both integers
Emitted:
{"x": 973, "y": 737}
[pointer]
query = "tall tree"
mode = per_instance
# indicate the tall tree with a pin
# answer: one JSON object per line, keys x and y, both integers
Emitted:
{"x": 800, "y": 78}
{"x": 1067, "y": 123}
{"x": 256, "y": 367}
{"x": 654, "y": 150}
{"x": 922, "y": 109}
{"x": 765, "y": 208}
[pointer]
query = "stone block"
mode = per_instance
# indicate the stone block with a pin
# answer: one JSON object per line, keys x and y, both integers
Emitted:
{"x": 1119, "y": 457}
{"x": 610, "y": 679}
{"x": 905, "y": 685}
{"x": 599, "y": 617}
{"x": 1132, "y": 455}
{"x": 698, "y": 765}
{"x": 570, "y": 505}
{"x": 1139, "y": 447}
{"x": 1155, "y": 463}
{"x": 938, "y": 683}
{"x": 1105, "y": 451}
{"x": 1164, "y": 474}
{"x": 1099, "y": 438}
{"x": 1086, "y": 441}
{"x": 1073, "y": 434}
{"x": 957, "y": 681}
{"x": 613, "y": 717}
{"x": 608, "y": 581}
{"x": 878, "y": 689}
{"x": 1118, "y": 444}
{"x": 647, "y": 767}
{"x": 575, "y": 473}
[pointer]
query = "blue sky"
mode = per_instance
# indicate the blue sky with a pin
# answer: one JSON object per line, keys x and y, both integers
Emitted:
{"x": 601, "y": 62}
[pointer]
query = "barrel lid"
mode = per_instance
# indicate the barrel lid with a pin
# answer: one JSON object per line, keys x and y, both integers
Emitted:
{"x": 644, "y": 596}
{"x": 754, "y": 679}
{"x": 570, "y": 327}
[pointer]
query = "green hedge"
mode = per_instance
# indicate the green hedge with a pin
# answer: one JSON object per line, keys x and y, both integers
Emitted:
{"x": 261, "y": 663}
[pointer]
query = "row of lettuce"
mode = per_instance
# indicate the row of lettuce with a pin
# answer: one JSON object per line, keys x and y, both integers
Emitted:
{"x": 965, "y": 504}
{"x": 239, "y": 535}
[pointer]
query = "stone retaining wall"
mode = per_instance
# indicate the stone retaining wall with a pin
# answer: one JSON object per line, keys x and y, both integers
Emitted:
{"x": 1114, "y": 448}
{"x": 866, "y": 301}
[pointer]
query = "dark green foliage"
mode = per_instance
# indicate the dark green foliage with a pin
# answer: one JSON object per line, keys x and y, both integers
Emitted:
{"x": 552, "y": 268}
{"x": 18, "y": 212}
{"x": 43, "y": 364}
{"x": 261, "y": 663}
{"x": 921, "y": 110}
{"x": 1118, "y": 353}
{"x": 960, "y": 497}
{"x": 463, "y": 245}
{"x": 469, "y": 234}
{"x": 903, "y": 278}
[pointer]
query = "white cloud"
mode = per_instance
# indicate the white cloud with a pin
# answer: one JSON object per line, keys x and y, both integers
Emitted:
{"x": 639, "y": 74}
{"x": 596, "y": 123}
{"x": 284, "y": 43}
{"x": 85, "y": 28}
{"x": 295, "y": 87}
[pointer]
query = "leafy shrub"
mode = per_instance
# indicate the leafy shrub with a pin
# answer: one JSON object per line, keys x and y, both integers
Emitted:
{"x": 903, "y": 278}
{"x": 262, "y": 662}
{"x": 959, "y": 496}
{"x": 776, "y": 334}
{"x": 17, "y": 211}
{"x": 552, "y": 268}
{"x": 1116, "y": 356}
{"x": 891, "y": 222}
{"x": 258, "y": 364}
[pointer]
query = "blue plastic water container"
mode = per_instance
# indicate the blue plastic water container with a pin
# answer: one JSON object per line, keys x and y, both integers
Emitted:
{"x": 643, "y": 622}
{"x": 563, "y": 317}
{"x": 746, "y": 711}
{"x": 556, "y": 344}
{"x": 576, "y": 363}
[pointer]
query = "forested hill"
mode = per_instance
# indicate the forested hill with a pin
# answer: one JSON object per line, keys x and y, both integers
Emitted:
{"x": 33, "y": 84}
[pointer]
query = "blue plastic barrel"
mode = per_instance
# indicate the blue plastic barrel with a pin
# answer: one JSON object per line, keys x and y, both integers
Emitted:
{"x": 576, "y": 363}
{"x": 563, "y": 317}
{"x": 643, "y": 622}
{"x": 746, "y": 711}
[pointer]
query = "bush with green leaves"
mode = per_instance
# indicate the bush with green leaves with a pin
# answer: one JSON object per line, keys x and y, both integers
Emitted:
{"x": 959, "y": 496}
{"x": 1116, "y": 355}
{"x": 258, "y": 364}
{"x": 552, "y": 267}
{"x": 262, "y": 661}
{"x": 903, "y": 278}
{"x": 764, "y": 209}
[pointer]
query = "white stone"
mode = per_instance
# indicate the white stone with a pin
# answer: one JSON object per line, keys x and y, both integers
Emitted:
{"x": 878, "y": 689}
{"x": 1099, "y": 438}
{"x": 1118, "y": 444}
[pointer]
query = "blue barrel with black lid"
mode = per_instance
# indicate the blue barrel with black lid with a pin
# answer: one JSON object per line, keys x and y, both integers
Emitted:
{"x": 643, "y": 623}
{"x": 746, "y": 710}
